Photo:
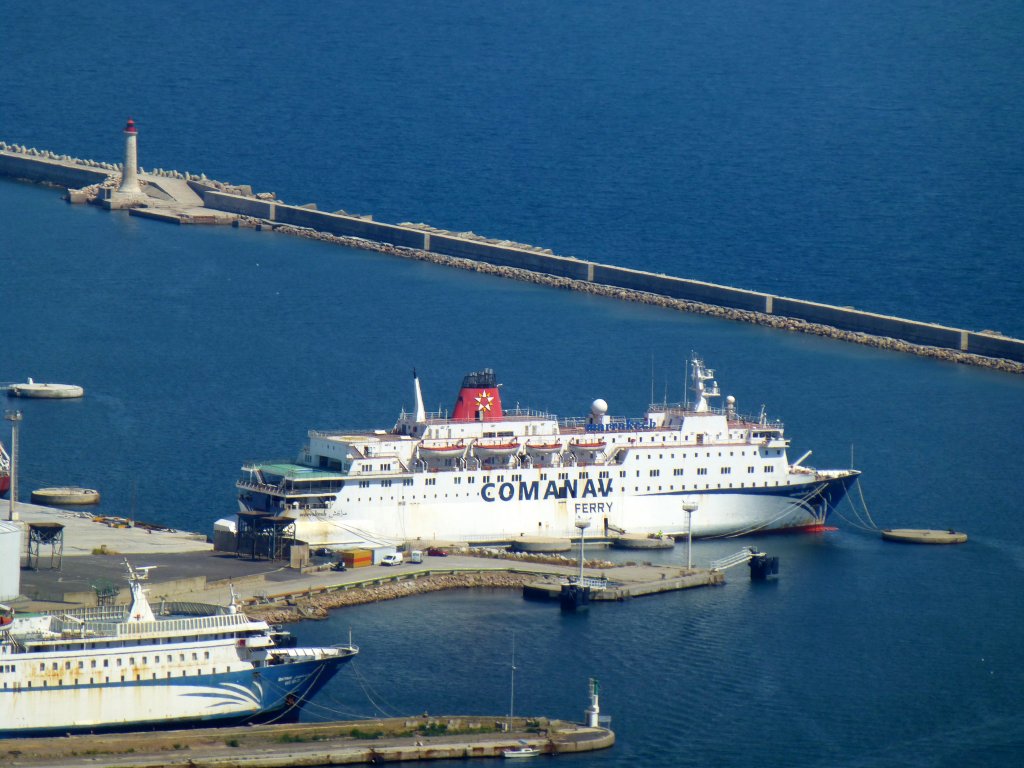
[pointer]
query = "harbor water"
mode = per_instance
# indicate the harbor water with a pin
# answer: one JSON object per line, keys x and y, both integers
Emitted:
{"x": 866, "y": 156}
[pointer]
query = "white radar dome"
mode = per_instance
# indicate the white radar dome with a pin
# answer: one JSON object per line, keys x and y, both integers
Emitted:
{"x": 599, "y": 407}
{"x": 730, "y": 400}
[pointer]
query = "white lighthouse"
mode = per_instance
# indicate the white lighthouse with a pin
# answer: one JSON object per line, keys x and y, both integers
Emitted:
{"x": 130, "y": 175}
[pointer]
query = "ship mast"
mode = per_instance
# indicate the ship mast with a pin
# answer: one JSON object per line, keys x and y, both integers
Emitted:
{"x": 702, "y": 390}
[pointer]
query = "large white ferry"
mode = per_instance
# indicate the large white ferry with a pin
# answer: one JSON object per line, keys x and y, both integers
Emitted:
{"x": 484, "y": 474}
{"x": 129, "y": 667}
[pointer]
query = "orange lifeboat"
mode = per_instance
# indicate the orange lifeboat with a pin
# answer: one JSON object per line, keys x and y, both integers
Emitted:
{"x": 499, "y": 447}
{"x": 441, "y": 449}
{"x": 588, "y": 445}
{"x": 544, "y": 449}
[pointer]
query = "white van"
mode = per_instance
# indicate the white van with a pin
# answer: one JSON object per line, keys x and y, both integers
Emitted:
{"x": 416, "y": 556}
{"x": 395, "y": 559}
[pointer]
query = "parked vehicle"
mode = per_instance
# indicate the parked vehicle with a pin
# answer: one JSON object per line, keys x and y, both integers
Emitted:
{"x": 395, "y": 559}
{"x": 437, "y": 552}
{"x": 416, "y": 556}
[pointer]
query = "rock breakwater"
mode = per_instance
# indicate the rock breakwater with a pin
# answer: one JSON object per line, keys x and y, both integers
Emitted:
{"x": 682, "y": 305}
{"x": 317, "y": 605}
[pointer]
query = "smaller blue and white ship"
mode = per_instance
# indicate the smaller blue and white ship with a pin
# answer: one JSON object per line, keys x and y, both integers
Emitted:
{"x": 130, "y": 667}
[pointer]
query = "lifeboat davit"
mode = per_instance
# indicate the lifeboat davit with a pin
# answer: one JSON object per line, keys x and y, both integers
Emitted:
{"x": 434, "y": 450}
{"x": 495, "y": 447}
{"x": 544, "y": 449}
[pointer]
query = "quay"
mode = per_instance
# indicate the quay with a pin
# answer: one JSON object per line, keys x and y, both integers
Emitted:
{"x": 90, "y": 567}
{"x": 186, "y": 198}
{"x": 360, "y": 742}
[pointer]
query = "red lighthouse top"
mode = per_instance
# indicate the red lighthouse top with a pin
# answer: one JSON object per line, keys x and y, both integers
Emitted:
{"x": 130, "y": 128}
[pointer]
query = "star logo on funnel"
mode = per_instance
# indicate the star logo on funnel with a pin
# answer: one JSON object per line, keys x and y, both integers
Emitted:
{"x": 483, "y": 401}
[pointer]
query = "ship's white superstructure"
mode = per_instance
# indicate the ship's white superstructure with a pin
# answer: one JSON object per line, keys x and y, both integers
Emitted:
{"x": 127, "y": 667}
{"x": 488, "y": 474}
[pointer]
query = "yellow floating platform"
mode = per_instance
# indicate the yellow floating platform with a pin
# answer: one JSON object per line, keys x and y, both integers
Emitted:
{"x": 923, "y": 536}
{"x": 65, "y": 495}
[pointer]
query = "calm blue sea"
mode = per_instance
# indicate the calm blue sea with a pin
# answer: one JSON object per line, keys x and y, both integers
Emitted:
{"x": 866, "y": 155}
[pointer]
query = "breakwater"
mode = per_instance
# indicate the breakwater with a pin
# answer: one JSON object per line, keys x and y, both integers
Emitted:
{"x": 504, "y": 258}
{"x": 359, "y": 742}
{"x": 316, "y": 605}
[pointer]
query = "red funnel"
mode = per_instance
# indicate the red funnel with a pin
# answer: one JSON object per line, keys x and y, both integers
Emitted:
{"x": 478, "y": 399}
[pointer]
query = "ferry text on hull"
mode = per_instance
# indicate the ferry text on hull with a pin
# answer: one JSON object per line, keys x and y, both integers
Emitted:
{"x": 484, "y": 474}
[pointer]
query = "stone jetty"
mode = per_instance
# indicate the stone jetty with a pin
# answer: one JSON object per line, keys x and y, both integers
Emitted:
{"x": 361, "y": 742}
{"x": 642, "y": 297}
{"x": 188, "y": 198}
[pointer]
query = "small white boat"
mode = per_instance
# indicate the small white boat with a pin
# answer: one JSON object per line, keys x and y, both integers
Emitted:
{"x": 524, "y": 751}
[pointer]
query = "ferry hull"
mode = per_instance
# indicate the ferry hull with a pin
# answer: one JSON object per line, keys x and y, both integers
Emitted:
{"x": 615, "y": 473}
{"x": 269, "y": 693}
{"x": 720, "y": 512}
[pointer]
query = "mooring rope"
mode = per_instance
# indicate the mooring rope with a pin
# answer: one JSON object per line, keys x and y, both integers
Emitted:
{"x": 859, "y": 522}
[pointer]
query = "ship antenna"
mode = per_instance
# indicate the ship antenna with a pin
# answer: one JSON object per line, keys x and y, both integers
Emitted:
{"x": 512, "y": 695}
{"x": 652, "y": 377}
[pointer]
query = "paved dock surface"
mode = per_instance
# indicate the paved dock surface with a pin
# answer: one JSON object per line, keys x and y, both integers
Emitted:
{"x": 186, "y": 567}
{"x": 310, "y": 744}
{"x": 83, "y": 535}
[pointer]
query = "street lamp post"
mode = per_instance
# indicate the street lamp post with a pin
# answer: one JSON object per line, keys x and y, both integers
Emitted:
{"x": 15, "y": 418}
{"x": 689, "y": 508}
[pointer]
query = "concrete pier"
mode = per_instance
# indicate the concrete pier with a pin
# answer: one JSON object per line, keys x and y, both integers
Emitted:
{"x": 200, "y": 200}
{"x": 359, "y": 742}
{"x": 626, "y": 582}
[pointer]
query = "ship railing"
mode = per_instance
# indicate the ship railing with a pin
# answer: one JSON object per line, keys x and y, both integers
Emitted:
{"x": 171, "y": 626}
{"x": 65, "y": 619}
{"x": 737, "y": 558}
{"x": 258, "y": 487}
{"x": 190, "y": 608}
{"x": 290, "y": 491}
{"x": 594, "y": 582}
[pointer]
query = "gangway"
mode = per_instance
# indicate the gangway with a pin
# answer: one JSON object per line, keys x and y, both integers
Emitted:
{"x": 761, "y": 565}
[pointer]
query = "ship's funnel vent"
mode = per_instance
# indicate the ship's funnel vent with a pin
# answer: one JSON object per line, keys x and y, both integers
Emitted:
{"x": 478, "y": 399}
{"x": 480, "y": 379}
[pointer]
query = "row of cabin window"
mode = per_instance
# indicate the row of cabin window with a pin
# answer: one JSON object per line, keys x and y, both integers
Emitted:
{"x": 106, "y": 679}
{"x": 565, "y": 476}
{"x": 636, "y": 457}
{"x": 119, "y": 659}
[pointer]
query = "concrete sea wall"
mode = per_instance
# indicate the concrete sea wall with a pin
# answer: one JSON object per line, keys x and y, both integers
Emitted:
{"x": 49, "y": 168}
{"x": 525, "y": 262}
{"x": 514, "y": 261}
